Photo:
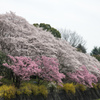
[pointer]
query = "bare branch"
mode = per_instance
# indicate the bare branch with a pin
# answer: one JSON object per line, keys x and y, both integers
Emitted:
{"x": 72, "y": 37}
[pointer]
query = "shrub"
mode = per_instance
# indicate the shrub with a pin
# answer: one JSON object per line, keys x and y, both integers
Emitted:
{"x": 7, "y": 92}
{"x": 28, "y": 88}
{"x": 80, "y": 87}
{"x": 24, "y": 90}
{"x": 43, "y": 90}
{"x": 68, "y": 87}
{"x": 35, "y": 90}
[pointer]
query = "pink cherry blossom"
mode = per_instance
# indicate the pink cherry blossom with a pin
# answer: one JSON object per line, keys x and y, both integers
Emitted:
{"x": 83, "y": 76}
{"x": 49, "y": 69}
{"x": 43, "y": 67}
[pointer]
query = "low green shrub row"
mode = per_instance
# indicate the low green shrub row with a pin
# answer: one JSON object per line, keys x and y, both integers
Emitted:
{"x": 10, "y": 91}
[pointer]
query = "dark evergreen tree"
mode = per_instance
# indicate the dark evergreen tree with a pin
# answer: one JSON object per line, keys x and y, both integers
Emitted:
{"x": 47, "y": 27}
{"x": 96, "y": 53}
{"x": 81, "y": 48}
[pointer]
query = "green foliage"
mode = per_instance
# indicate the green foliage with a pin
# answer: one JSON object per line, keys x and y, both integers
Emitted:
{"x": 81, "y": 48}
{"x": 97, "y": 57}
{"x": 47, "y": 27}
{"x": 36, "y": 24}
{"x": 55, "y": 32}
{"x": 3, "y": 59}
{"x": 96, "y": 53}
{"x": 6, "y": 81}
{"x": 4, "y": 71}
{"x": 80, "y": 87}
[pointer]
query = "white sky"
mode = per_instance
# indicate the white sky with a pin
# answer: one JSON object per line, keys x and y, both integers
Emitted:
{"x": 81, "y": 16}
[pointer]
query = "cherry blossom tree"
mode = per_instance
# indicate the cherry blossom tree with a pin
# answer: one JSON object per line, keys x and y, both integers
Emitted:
{"x": 49, "y": 69}
{"x": 43, "y": 67}
{"x": 22, "y": 68}
{"x": 83, "y": 76}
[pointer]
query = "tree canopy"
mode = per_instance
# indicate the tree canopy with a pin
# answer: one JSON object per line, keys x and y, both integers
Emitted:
{"x": 43, "y": 67}
{"x": 47, "y": 27}
{"x": 96, "y": 53}
{"x": 81, "y": 48}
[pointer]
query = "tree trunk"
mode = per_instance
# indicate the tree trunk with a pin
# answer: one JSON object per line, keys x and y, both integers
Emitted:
{"x": 17, "y": 83}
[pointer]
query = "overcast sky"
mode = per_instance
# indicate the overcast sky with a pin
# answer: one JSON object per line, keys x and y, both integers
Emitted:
{"x": 81, "y": 16}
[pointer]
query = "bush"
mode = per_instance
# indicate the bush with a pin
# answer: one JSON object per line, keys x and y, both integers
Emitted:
{"x": 43, "y": 90}
{"x": 28, "y": 88}
{"x": 80, "y": 87}
{"x": 68, "y": 87}
{"x": 7, "y": 92}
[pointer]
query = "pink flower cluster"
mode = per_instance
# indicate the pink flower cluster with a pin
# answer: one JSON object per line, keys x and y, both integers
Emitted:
{"x": 83, "y": 76}
{"x": 49, "y": 69}
{"x": 43, "y": 67}
{"x": 23, "y": 67}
